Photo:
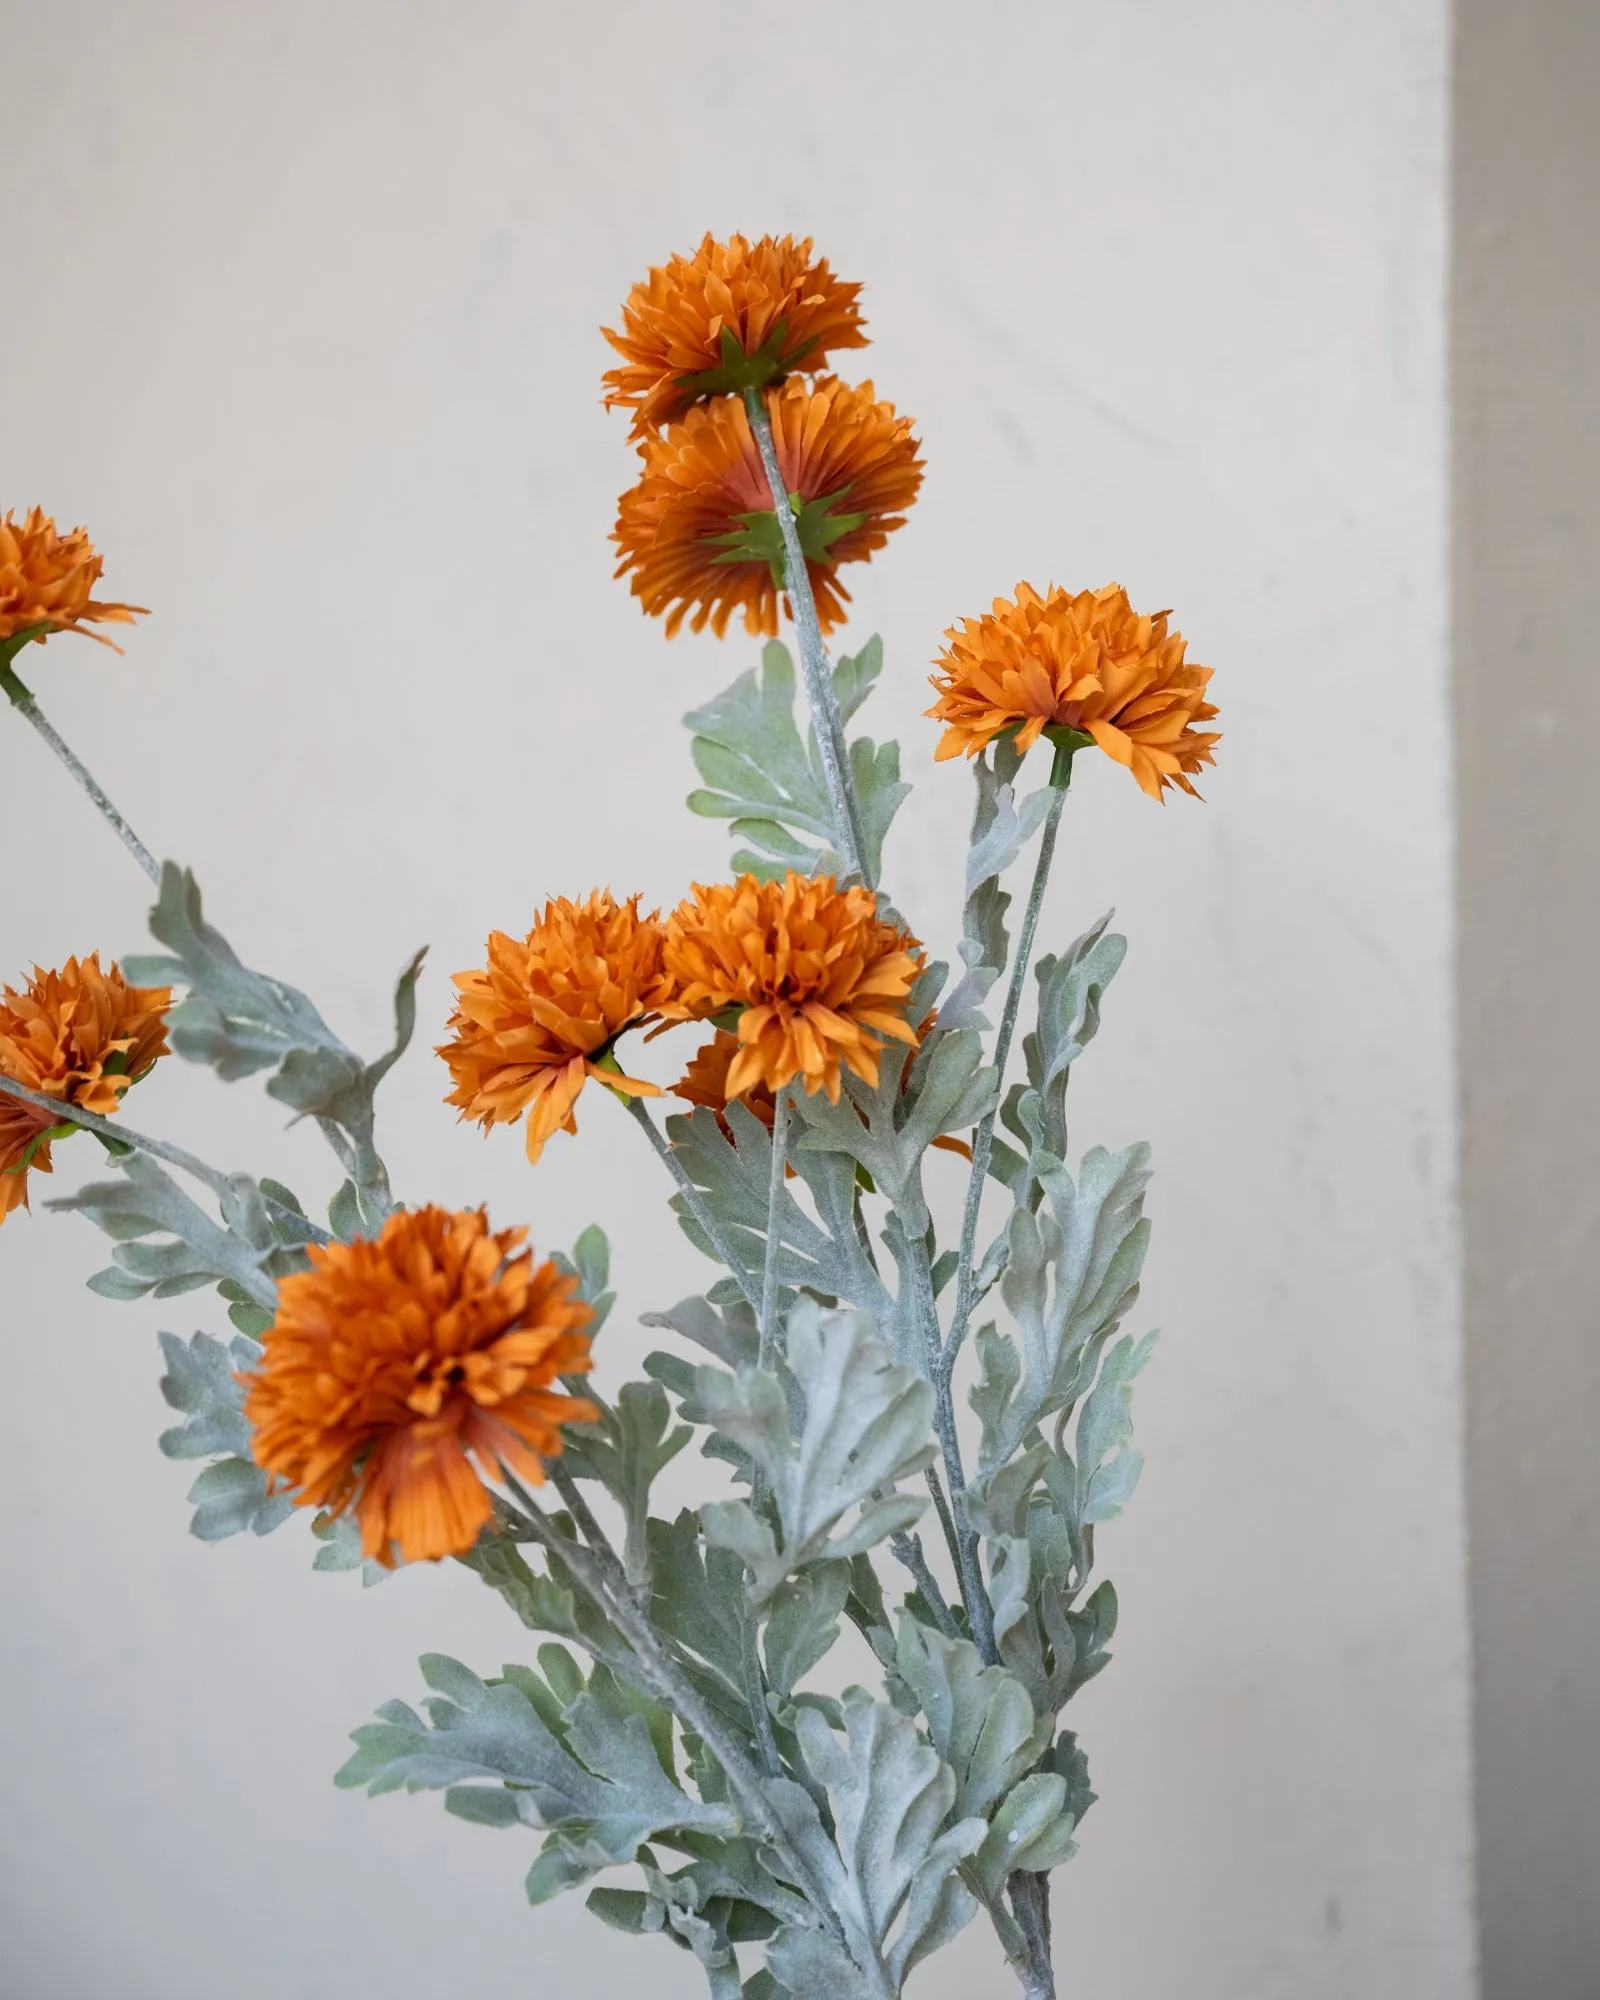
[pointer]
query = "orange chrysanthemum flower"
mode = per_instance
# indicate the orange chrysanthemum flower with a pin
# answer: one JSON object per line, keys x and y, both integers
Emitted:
{"x": 735, "y": 315}
{"x": 80, "y": 1035}
{"x": 817, "y": 973}
{"x": 46, "y": 581}
{"x": 1089, "y": 663}
{"x": 699, "y": 532}
{"x": 400, "y": 1375}
{"x": 705, "y": 1082}
{"x": 540, "y": 1019}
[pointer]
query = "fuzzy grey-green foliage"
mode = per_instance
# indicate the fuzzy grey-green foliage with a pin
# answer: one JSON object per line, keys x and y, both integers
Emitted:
{"x": 673, "y": 1750}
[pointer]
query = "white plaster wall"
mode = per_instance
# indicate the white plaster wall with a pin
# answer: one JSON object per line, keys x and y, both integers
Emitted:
{"x": 300, "y": 318}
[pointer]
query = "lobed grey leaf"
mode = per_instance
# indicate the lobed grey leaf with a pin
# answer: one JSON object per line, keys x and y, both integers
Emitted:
{"x": 167, "y": 1244}
{"x": 866, "y": 1426}
{"x": 625, "y": 1451}
{"x": 888, "y": 1862}
{"x": 803, "y": 1623}
{"x": 200, "y": 1381}
{"x": 760, "y": 775}
{"x": 595, "y": 1781}
{"x": 1070, "y": 987}
{"x": 979, "y": 1717}
{"x": 1032, "y": 1831}
{"x": 231, "y": 1496}
{"x": 241, "y": 1022}
{"x": 1072, "y": 1271}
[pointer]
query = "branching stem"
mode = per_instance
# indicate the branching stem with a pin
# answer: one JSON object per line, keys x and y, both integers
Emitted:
{"x": 769, "y": 1262}
{"x": 908, "y": 1550}
{"x": 23, "y": 702}
{"x": 831, "y": 744}
{"x": 983, "y": 1140}
{"x": 620, "y": 1609}
{"x": 122, "y": 1136}
{"x": 710, "y": 1228}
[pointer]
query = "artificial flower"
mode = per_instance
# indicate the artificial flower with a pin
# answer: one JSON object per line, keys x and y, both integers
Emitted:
{"x": 815, "y": 974}
{"x": 1087, "y": 663}
{"x": 80, "y": 1035}
{"x": 47, "y": 580}
{"x": 402, "y": 1373}
{"x": 699, "y": 534}
{"x": 533, "y": 1025}
{"x": 735, "y": 315}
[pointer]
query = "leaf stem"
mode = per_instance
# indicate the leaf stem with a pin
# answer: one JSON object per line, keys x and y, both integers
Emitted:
{"x": 831, "y": 745}
{"x": 674, "y": 1687}
{"x": 709, "y": 1227}
{"x": 983, "y": 1141}
{"x": 122, "y": 1136}
{"x": 769, "y": 1262}
{"x": 1030, "y": 1899}
{"x": 22, "y": 701}
{"x": 980, "y": 1614}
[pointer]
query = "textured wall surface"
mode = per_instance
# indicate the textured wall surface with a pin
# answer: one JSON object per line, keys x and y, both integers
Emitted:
{"x": 1527, "y": 172}
{"x": 302, "y": 321}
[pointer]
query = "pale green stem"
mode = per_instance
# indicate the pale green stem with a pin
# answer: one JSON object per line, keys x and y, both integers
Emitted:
{"x": 122, "y": 1136}
{"x": 831, "y": 744}
{"x": 710, "y": 1228}
{"x": 980, "y": 1615}
{"x": 1030, "y": 1899}
{"x": 23, "y": 702}
{"x": 769, "y": 1262}
{"x": 908, "y": 1550}
{"x": 620, "y": 1609}
{"x": 983, "y": 1141}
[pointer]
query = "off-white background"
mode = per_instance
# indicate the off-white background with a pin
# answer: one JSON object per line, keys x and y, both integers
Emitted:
{"x": 300, "y": 319}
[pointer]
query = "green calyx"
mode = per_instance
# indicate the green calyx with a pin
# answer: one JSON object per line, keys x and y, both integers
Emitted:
{"x": 759, "y": 537}
{"x": 47, "y": 1137}
{"x": 1067, "y": 743}
{"x": 738, "y": 371}
{"x": 9, "y": 649}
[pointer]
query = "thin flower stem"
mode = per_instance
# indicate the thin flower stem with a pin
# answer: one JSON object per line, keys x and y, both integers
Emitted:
{"x": 769, "y": 1262}
{"x": 980, "y": 1615}
{"x": 673, "y": 1686}
{"x": 831, "y": 744}
{"x": 755, "y": 1692}
{"x": 23, "y": 702}
{"x": 983, "y": 1142}
{"x": 947, "y": 1520}
{"x": 122, "y": 1136}
{"x": 710, "y": 1228}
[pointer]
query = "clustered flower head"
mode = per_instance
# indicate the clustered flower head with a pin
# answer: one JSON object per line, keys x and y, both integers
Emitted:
{"x": 699, "y": 534}
{"x": 705, "y": 1082}
{"x": 533, "y": 1025}
{"x": 815, "y": 973}
{"x": 735, "y": 315}
{"x": 402, "y": 1373}
{"x": 47, "y": 581}
{"x": 1087, "y": 663}
{"x": 80, "y": 1035}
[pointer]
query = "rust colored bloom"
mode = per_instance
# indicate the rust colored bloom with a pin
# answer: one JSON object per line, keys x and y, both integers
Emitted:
{"x": 400, "y": 1374}
{"x": 1089, "y": 663}
{"x": 817, "y": 975}
{"x": 46, "y": 580}
{"x": 699, "y": 532}
{"x": 705, "y": 1082}
{"x": 80, "y": 1035}
{"x": 735, "y": 315}
{"x": 540, "y": 1018}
